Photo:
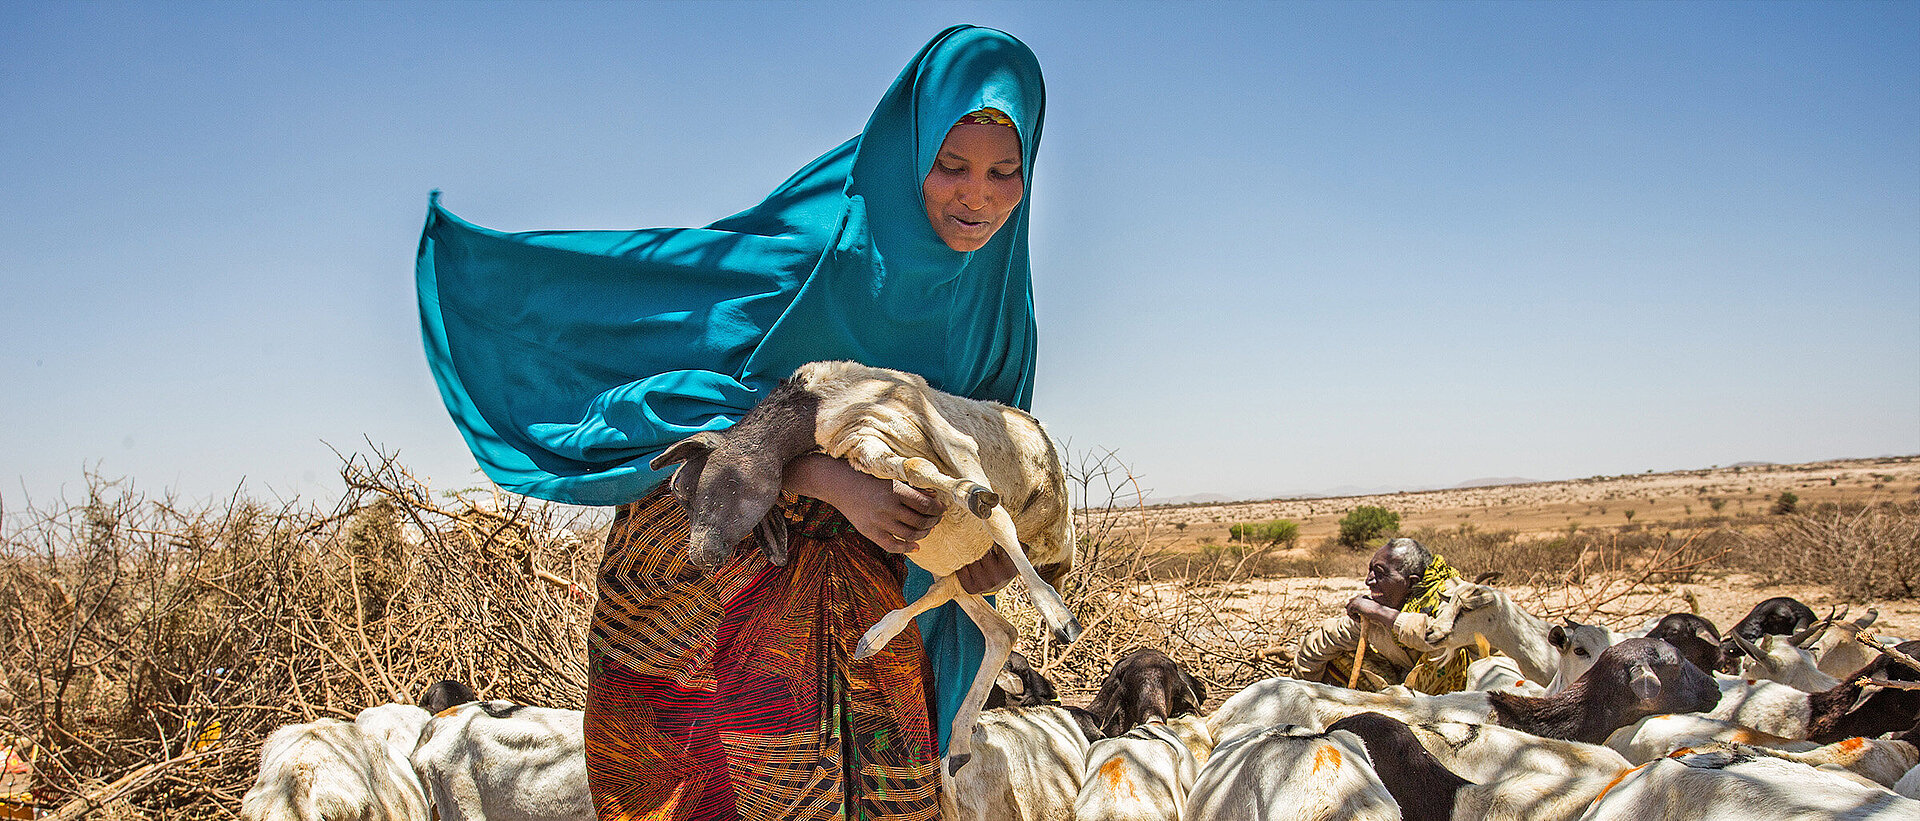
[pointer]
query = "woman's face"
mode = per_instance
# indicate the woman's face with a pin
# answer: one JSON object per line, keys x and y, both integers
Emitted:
{"x": 1387, "y": 579}
{"x": 975, "y": 183}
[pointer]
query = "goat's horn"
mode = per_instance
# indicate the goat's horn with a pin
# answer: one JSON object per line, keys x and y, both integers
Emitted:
{"x": 1864, "y": 621}
{"x": 1748, "y": 648}
{"x": 1488, "y": 577}
{"x": 1808, "y": 632}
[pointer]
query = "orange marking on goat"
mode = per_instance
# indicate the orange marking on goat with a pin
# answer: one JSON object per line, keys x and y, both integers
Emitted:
{"x": 1326, "y": 754}
{"x": 1616, "y": 782}
{"x": 1852, "y": 745}
{"x": 1116, "y": 775}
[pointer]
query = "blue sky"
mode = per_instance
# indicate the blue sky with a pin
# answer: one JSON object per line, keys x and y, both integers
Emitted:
{"x": 1277, "y": 246}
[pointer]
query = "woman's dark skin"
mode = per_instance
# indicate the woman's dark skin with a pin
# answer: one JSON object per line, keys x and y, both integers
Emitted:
{"x": 1387, "y": 586}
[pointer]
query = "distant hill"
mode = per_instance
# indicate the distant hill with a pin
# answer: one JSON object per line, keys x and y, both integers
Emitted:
{"x": 1495, "y": 480}
{"x": 1191, "y": 499}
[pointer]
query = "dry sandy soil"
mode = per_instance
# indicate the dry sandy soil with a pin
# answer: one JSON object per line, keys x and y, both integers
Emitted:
{"x": 1679, "y": 501}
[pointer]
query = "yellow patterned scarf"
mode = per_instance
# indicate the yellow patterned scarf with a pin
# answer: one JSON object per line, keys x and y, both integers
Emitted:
{"x": 1424, "y": 597}
{"x": 1448, "y": 672}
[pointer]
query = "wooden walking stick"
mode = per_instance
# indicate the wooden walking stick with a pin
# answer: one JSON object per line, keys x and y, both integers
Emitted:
{"x": 1359, "y": 653}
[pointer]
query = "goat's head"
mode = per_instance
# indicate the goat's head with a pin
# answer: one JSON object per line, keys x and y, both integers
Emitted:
{"x": 1019, "y": 685}
{"x": 1145, "y": 684}
{"x": 727, "y": 490}
{"x": 1472, "y": 609}
{"x": 1579, "y": 646}
{"x": 1696, "y": 638}
{"x": 1651, "y": 677}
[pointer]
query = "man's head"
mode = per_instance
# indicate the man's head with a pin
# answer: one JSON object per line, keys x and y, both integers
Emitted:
{"x": 1395, "y": 569}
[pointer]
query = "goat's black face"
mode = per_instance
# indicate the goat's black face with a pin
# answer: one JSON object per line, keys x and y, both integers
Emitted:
{"x": 1659, "y": 679}
{"x": 726, "y": 493}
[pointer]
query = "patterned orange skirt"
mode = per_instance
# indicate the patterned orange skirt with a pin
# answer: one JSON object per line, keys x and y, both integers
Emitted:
{"x": 735, "y": 695}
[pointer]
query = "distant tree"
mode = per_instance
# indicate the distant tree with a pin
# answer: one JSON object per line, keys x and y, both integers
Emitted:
{"x": 1279, "y": 531}
{"x": 1365, "y": 524}
{"x": 1785, "y": 503}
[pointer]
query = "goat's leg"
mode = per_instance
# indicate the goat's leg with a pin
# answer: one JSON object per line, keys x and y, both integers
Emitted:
{"x": 874, "y": 456}
{"x": 1047, "y": 600}
{"x": 1000, "y": 636}
{"x": 890, "y": 625}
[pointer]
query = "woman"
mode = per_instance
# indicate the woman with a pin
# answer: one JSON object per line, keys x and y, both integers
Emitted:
{"x": 1406, "y": 583}
{"x": 570, "y": 359}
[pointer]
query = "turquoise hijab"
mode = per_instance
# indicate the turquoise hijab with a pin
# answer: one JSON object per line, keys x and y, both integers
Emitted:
{"x": 569, "y": 359}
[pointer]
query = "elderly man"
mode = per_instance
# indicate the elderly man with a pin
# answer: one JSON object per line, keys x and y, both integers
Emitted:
{"x": 1406, "y": 583}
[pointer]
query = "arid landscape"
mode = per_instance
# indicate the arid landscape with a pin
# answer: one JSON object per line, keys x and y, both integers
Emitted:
{"x": 1678, "y": 505}
{"x": 151, "y": 645}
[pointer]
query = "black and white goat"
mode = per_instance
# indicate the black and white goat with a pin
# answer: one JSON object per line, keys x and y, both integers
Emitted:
{"x": 995, "y": 467}
{"x": 1428, "y": 790}
{"x": 1780, "y": 615}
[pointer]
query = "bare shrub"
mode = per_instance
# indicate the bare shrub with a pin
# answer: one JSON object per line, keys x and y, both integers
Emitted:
{"x": 147, "y": 647}
{"x": 1589, "y": 575}
{"x": 1129, "y": 592}
{"x": 1862, "y": 552}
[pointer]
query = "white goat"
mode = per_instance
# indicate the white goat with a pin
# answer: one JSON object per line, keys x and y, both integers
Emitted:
{"x": 1909, "y": 785}
{"x": 1191, "y": 729}
{"x": 1834, "y": 647}
{"x": 1723, "y": 785}
{"x": 1656, "y": 736}
{"x": 1027, "y": 765}
{"x": 1501, "y": 673}
{"x": 333, "y": 770}
{"x": 499, "y": 761}
{"x": 1143, "y": 775}
{"x": 1881, "y": 761}
{"x": 1775, "y": 658}
{"x": 1576, "y": 646}
{"x": 1476, "y": 609}
{"x": 1289, "y": 772}
{"x": 974, "y": 455}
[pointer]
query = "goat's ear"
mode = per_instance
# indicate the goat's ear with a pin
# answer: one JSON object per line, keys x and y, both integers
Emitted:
{"x": 1196, "y": 692}
{"x": 1557, "y": 636}
{"x": 699, "y": 444}
{"x": 1644, "y": 682}
{"x": 1476, "y": 597}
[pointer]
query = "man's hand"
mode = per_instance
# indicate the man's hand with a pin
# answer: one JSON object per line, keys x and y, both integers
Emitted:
{"x": 1364, "y": 607}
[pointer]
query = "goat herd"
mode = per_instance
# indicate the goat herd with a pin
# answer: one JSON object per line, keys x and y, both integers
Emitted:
{"x": 1630, "y": 727}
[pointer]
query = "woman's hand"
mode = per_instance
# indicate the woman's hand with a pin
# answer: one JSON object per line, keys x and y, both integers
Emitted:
{"x": 891, "y": 514}
{"x": 987, "y": 573}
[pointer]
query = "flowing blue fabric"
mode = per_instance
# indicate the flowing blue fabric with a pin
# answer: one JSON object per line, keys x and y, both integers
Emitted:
{"x": 569, "y": 359}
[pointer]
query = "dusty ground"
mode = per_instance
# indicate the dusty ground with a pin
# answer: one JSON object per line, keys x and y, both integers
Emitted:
{"x": 1679, "y": 501}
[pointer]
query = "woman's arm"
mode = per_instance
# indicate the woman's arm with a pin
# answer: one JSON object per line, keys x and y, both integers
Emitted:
{"x": 894, "y": 515}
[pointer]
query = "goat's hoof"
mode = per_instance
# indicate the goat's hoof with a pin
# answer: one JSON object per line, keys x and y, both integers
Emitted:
{"x": 982, "y": 500}
{"x": 955, "y": 762}
{"x": 1066, "y": 633}
{"x": 865, "y": 648}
